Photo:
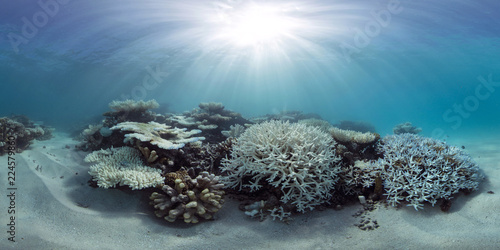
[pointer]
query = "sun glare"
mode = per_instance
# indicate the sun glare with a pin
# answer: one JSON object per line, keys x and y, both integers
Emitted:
{"x": 256, "y": 25}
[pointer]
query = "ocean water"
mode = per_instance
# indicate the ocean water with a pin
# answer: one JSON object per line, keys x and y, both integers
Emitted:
{"x": 383, "y": 62}
{"x": 435, "y": 64}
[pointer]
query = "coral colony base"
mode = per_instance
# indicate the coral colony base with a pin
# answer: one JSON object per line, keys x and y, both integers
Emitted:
{"x": 277, "y": 165}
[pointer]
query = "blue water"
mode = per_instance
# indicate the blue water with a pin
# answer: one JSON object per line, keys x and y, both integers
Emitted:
{"x": 384, "y": 62}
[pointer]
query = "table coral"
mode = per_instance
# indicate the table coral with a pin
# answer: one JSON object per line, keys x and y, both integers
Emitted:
{"x": 187, "y": 198}
{"x": 157, "y": 134}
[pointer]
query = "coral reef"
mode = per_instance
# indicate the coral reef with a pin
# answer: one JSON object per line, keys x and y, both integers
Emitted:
{"x": 130, "y": 110}
{"x": 296, "y": 161}
{"x": 212, "y": 118}
{"x": 133, "y": 106}
{"x": 155, "y": 134}
{"x": 417, "y": 169}
{"x": 286, "y": 115}
{"x": 122, "y": 166}
{"x": 350, "y": 136}
{"x": 356, "y": 126}
{"x": 234, "y": 131}
{"x": 406, "y": 127}
{"x": 361, "y": 176}
{"x": 187, "y": 198}
{"x": 354, "y": 146}
{"x": 321, "y": 124}
{"x": 23, "y": 132}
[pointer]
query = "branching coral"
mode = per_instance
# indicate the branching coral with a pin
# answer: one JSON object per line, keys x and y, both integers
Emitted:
{"x": 417, "y": 170}
{"x": 189, "y": 199}
{"x": 122, "y": 166}
{"x": 234, "y": 131}
{"x": 297, "y": 160}
{"x": 157, "y": 134}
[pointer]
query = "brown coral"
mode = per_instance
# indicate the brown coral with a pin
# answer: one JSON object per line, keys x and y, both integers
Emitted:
{"x": 191, "y": 199}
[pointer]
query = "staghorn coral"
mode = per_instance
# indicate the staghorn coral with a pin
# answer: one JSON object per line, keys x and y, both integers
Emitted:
{"x": 122, "y": 166}
{"x": 416, "y": 169}
{"x": 188, "y": 199}
{"x": 296, "y": 161}
{"x": 157, "y": 134}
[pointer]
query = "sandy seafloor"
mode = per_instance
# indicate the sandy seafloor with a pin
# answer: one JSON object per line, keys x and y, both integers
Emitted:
{"x": 50, "y": 214}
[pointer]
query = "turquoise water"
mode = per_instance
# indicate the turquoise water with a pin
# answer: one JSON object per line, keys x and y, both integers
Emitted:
{"x": 384, "y": 62}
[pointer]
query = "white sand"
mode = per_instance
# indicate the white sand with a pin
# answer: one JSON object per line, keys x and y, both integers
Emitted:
{"x": 48, "y": 217}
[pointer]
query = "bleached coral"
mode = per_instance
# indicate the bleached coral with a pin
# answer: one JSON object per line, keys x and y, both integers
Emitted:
{"x": 321, "y": 124}
{"x": 299, "y": 161}
{"x": 122, "y": 166}
{"x": 362, "y": 174}
{"x": 234, "y": 131}
{"x": 189, "y": 199}
{"x": 211, "y": 107}
{"x": 155, "y": 133}
{"x": 279, "y": 213}
{"x": 342, "y": 135}
{"x": 416, "y": 169}
{"x": 133, "y": 106}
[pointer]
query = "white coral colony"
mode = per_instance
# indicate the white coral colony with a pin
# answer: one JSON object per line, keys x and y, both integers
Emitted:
{"x": 297, "y": 159}
{"x": 417, "y": 170}
{"x": 152, "y": 132}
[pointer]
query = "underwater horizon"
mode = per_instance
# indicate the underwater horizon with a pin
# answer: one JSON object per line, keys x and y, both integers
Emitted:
{"x": 381, "y": 62}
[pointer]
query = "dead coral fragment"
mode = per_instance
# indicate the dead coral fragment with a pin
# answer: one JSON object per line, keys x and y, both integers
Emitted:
{"x": 155, "y": 133}
{"x": 189, "y": 199}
